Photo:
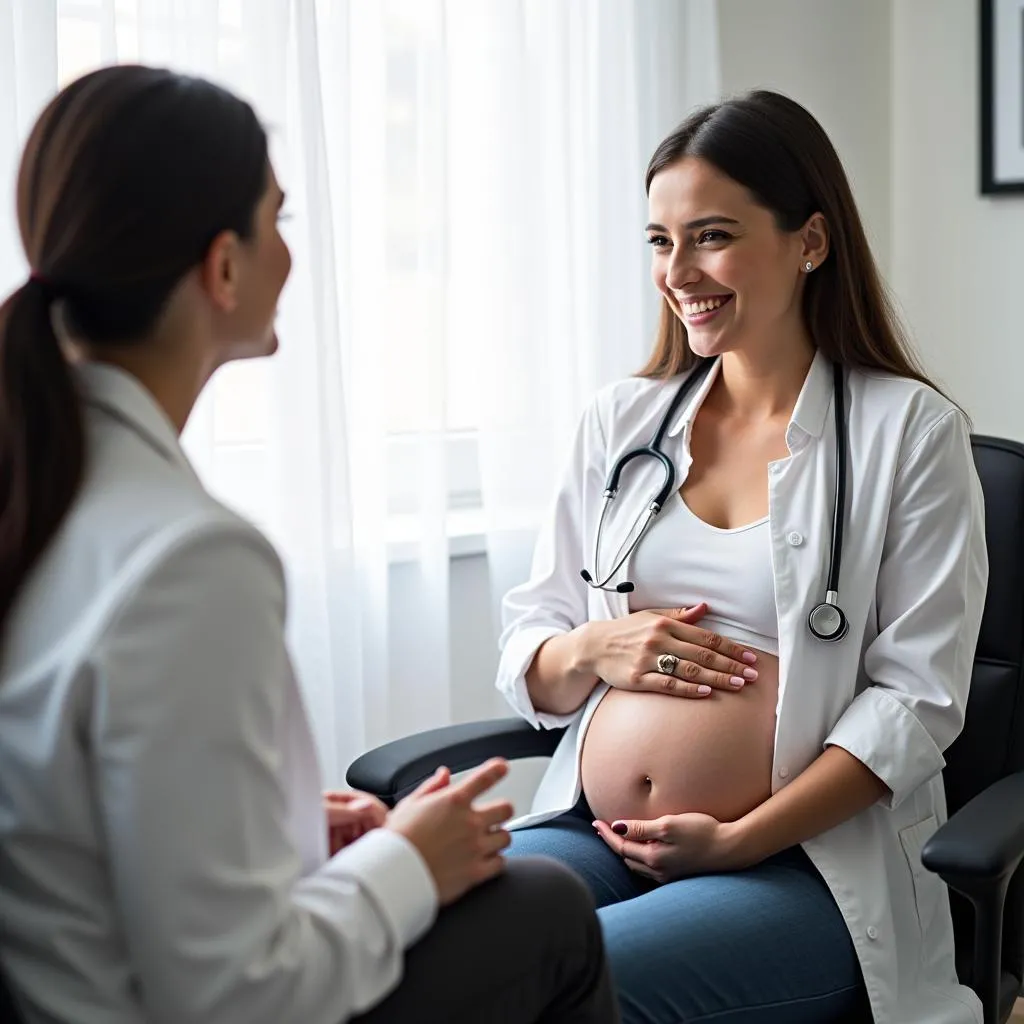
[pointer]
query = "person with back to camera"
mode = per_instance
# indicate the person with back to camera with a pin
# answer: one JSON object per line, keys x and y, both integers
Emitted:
{"x": 163, "y": 840}
{"x": 771, "y": 645}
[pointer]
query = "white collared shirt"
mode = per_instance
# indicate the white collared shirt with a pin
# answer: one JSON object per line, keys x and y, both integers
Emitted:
{"x": 162, "y": 835}
{"x": 893, "y": 692}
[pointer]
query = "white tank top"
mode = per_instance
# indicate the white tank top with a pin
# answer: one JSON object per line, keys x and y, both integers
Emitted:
{"x": 682, "y": 560}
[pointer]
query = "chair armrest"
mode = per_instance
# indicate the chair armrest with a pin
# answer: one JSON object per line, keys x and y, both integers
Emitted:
{"x": 984, "y": 840}
{"x": 394, "y": 769}
{"x": 976, "y": 853}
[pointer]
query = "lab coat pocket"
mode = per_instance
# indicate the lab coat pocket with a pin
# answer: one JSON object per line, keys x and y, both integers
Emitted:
{"x": 929, "y": 889}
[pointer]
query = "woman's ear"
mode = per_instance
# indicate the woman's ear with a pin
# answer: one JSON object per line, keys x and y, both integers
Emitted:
{"x": 220, "y": 271}
{"x": 815, "y": 238}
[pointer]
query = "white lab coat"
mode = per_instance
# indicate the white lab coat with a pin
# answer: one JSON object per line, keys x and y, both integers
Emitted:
{"x": 162, "y": 837}
{"x": 892, "y": 693}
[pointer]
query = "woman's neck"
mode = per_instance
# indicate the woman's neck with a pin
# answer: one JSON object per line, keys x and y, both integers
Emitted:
{"x": 762, "y": 386}
{"x": 173, "y": 378}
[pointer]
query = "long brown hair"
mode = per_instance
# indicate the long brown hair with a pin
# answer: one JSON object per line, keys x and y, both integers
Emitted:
{"x": 775, "y": 149}
{"x": 127, "y": 177}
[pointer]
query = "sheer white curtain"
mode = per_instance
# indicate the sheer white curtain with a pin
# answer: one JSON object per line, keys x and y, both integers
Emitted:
{"x": 465, "y": 183}
{"x": 600, "y": 85}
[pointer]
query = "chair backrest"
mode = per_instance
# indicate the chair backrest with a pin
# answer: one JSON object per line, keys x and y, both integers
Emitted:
{"x": 9, "y": 1013}
{"x": 991, "y": 745}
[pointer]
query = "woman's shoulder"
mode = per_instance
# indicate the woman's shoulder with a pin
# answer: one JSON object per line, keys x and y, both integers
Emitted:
{"x": 149, "y": 504}
{"x": 901, "y": 405}
{"x": 628, "y": 391}
{"x": 140, "y": 512}
{"x": 628, "y": 404}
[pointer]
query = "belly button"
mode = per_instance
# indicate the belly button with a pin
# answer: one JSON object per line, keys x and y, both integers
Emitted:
{"x": 647, "y": 781}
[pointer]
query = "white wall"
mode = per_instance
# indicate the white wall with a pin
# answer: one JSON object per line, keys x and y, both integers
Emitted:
{"x": 958, "y": 258}
{"x": 834, "y": 57}
{"x": 473, "y": 636}
{"x": 895, "y": 83}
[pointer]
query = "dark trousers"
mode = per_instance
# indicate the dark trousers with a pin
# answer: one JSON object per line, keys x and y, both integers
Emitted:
{"x": 523, "y": 949}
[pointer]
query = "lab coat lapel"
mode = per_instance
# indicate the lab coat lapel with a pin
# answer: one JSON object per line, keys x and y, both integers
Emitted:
{"x": 800, "y": 497}
{"x": 639, "y": 483}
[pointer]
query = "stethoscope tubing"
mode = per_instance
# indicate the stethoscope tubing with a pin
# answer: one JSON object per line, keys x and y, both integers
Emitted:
{"x": 826, "y": 620}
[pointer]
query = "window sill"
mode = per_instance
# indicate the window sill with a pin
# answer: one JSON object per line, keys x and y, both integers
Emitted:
{"x": 464, "y": 527}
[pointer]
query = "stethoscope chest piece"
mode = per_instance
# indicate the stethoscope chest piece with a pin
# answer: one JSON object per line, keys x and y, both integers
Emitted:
{"x": 827, "y": 621}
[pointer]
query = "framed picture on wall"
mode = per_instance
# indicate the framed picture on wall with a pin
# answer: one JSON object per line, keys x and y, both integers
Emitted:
{"x": 1002, "y": 96}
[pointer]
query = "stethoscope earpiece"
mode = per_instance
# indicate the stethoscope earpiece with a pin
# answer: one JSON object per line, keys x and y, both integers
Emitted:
{"x": 620, "y": 588}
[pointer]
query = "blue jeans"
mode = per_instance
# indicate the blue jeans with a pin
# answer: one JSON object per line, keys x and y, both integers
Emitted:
{"x": 763, "y": 946}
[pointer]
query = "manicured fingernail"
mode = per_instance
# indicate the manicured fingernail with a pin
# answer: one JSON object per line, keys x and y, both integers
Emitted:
{"x": 620, "y": 828}
{"x": 703, "y": 690}
{"x": 594, "y": 823}
{"x": 750, "y": 673}
{"x": 736, "y": 682}
{"x": 749, "y": 657}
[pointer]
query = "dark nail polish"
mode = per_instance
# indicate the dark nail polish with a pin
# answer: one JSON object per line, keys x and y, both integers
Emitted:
{"x": 620, "y": 828}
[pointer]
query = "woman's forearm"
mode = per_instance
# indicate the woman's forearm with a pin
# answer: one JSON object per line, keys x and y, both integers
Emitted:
{"x": 561, "y": 676}
{"x": 834, "y": 788}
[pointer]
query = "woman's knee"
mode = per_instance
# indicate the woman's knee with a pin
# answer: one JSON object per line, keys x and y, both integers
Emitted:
{"x": 509, "y": 950}
{"x": 575, "y": 844}
{"x": 718, "y": 946}
{"x": 552, "y": 888}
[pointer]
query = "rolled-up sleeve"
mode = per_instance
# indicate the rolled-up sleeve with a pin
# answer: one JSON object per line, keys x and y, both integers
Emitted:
{"x": 553, "y": 601}
{"x": 188, "y": 716}
{"x": 930, "y": 596}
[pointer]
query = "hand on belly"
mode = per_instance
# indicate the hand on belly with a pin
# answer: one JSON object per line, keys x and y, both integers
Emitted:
{"x": 649, "y": 754}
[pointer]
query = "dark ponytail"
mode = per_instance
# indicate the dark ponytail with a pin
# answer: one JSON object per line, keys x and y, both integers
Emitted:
{"x": 127, "y": 178}
{"x": 42, "y": 448}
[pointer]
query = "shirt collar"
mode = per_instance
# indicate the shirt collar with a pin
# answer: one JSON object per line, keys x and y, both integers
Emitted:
{"x": 123, "y": 397}
{"x": 689, "y": 410}
{"x": 810, "y": 410}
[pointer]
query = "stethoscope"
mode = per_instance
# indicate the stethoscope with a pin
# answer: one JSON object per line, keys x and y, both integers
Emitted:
{"x": 826, "y": 620}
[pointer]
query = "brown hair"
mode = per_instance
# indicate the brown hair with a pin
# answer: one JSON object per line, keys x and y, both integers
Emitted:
{"x": 775, "y": 149}
{"x": 127, "y": 177}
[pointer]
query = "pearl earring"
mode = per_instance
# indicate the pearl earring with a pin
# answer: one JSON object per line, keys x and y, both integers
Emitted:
{"x": 808, "y": 266}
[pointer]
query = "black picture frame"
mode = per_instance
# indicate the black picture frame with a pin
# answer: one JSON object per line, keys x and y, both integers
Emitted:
{"x": 1002, "y": 91}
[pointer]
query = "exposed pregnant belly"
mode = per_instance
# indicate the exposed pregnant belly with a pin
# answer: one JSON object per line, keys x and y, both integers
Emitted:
{"x": 648, "y": 754}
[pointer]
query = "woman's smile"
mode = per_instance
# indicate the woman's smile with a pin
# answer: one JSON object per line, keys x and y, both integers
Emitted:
{"x": 702, "y": 309}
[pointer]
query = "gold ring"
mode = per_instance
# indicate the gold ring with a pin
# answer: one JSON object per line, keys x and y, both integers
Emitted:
{"x": 667, "y": 664}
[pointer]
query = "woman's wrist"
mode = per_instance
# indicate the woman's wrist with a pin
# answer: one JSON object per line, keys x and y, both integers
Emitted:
{"x": 835, "y": 787}
{"x": 560, "y": 679}
{"x": 741, "y": 844}
{"x": 585, "y": 651}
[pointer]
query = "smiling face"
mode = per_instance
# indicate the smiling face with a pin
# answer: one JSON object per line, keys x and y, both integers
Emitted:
{"x": 723, "y": 264}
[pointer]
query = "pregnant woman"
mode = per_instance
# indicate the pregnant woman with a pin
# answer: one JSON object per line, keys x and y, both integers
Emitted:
{"x": 758, "y": 702}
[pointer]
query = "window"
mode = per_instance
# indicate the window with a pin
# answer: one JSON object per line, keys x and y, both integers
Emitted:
{"x": 234, "y": 418}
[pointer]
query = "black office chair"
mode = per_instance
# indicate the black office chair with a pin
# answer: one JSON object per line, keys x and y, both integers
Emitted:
{"x": 979, "y": 849}
{"x": 8, "y": 1013}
